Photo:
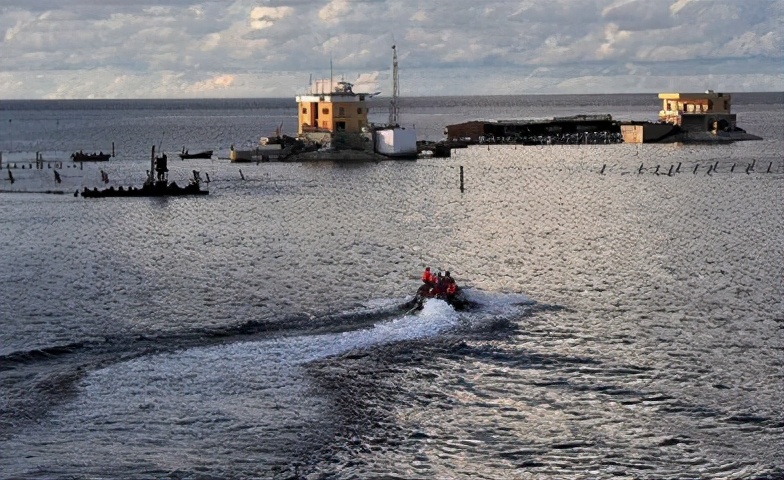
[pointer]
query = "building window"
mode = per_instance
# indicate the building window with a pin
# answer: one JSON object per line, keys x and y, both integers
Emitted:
{"x": 305, "y": 110}
{"x": 341, "y": 112}
{"x": 359, "y": 111}
{"x": 325, "y": 111}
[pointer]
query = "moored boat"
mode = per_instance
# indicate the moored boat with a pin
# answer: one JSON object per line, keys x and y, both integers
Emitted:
{"x": 90, "y": 157}
{"x": 185, "y": 155}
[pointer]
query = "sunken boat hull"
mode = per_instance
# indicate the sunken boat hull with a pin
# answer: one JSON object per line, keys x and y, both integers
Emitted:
{"x": 157, "y": 189}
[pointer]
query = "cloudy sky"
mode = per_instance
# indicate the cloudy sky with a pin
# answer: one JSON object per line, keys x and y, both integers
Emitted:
{"x": 270, "y": 48}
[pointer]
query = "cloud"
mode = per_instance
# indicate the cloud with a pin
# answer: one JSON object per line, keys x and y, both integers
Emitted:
{"x": 264, "y": 17}
{"x": 335, "y": 9}
{"x": 181, "y": 47}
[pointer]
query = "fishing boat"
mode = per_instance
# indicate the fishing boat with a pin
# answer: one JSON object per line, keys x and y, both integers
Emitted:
{"x": 185, "y": 155}
{"x": 156, "y": 185}
{"x": 90, "y": 157}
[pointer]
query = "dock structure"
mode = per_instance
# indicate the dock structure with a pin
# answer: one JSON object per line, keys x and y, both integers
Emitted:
{"x": 556, "y": 130}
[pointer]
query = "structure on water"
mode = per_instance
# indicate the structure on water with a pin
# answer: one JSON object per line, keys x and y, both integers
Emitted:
{"x": 690, "y": 117}
{"x": 684, "y": 117}
{"x": 332, "y": 124}
{"x": 556, "y": 130}
{"x": 391, "y": 139}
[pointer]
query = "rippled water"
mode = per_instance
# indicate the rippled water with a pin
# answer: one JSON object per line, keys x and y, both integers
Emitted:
{"x": 629, "y": 323}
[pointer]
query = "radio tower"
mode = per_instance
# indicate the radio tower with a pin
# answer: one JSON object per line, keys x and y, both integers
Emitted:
{"x": 395, "y": 89}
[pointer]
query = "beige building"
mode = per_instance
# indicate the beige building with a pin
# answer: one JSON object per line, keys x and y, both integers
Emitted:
{"x": 330, "y": 110}
{"x": 707, "y": 111}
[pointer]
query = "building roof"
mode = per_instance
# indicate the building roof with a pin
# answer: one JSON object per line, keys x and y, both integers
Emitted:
{"x": 679, "y": 96}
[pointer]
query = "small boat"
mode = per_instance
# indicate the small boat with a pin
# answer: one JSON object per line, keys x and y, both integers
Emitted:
{"x": 457, "y": 300}
{"x": 157, "y": 184}
{"x": 90, "y": 157}
{"x": 205, "y": 154}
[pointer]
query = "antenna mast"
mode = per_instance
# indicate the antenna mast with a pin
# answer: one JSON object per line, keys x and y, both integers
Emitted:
{"x": 393, "y": 110}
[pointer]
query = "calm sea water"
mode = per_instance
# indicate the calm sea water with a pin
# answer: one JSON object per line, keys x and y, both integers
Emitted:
{"x": 630, "y": 316}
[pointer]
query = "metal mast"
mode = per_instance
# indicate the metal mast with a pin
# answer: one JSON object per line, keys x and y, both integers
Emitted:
{"x": 393, "y": 109}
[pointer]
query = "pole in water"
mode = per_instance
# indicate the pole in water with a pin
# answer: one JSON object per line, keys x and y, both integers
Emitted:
{"x": 669, "y": 174}
{"x": 462, "y": 186}
{"x": 640, "y": 169}
{"x": 696, "y": 167}
{"x": 678, "y": 170}
{"x": 112, "y": 149}
{"x": 241, "y": 175}
{"x": 603, "y": 167}
{"x": 770, "y": 165}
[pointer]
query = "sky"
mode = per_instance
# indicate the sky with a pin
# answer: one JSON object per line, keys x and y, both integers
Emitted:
{"x": 126, "y": 49}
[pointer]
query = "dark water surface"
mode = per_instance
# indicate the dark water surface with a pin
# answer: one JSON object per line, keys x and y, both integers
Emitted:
{"x": 629, "y": 324}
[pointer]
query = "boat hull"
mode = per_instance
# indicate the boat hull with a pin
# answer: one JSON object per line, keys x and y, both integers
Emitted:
{"x": 458, "y": 301}
{"x": 205, "y": 154}
{"x": 149, "y": 190}
{"x": 90, "y": 157}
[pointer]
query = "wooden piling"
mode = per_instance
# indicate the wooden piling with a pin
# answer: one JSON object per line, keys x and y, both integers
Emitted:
{"x": 462, "y": 186}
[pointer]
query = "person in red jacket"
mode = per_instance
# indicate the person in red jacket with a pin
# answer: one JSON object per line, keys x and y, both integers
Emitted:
{"x": 451, "y": 285}
{"x": 428, "y": 278}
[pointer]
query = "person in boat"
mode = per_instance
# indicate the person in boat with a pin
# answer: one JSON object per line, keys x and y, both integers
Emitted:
{"x": 439, "y": 287}
{"x": 428, "y": 278}
{"x": 161, "y": 167}
{"x": 451, "y": 285}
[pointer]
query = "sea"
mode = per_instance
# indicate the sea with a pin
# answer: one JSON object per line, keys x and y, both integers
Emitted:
{"x": 627, "y": 316}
